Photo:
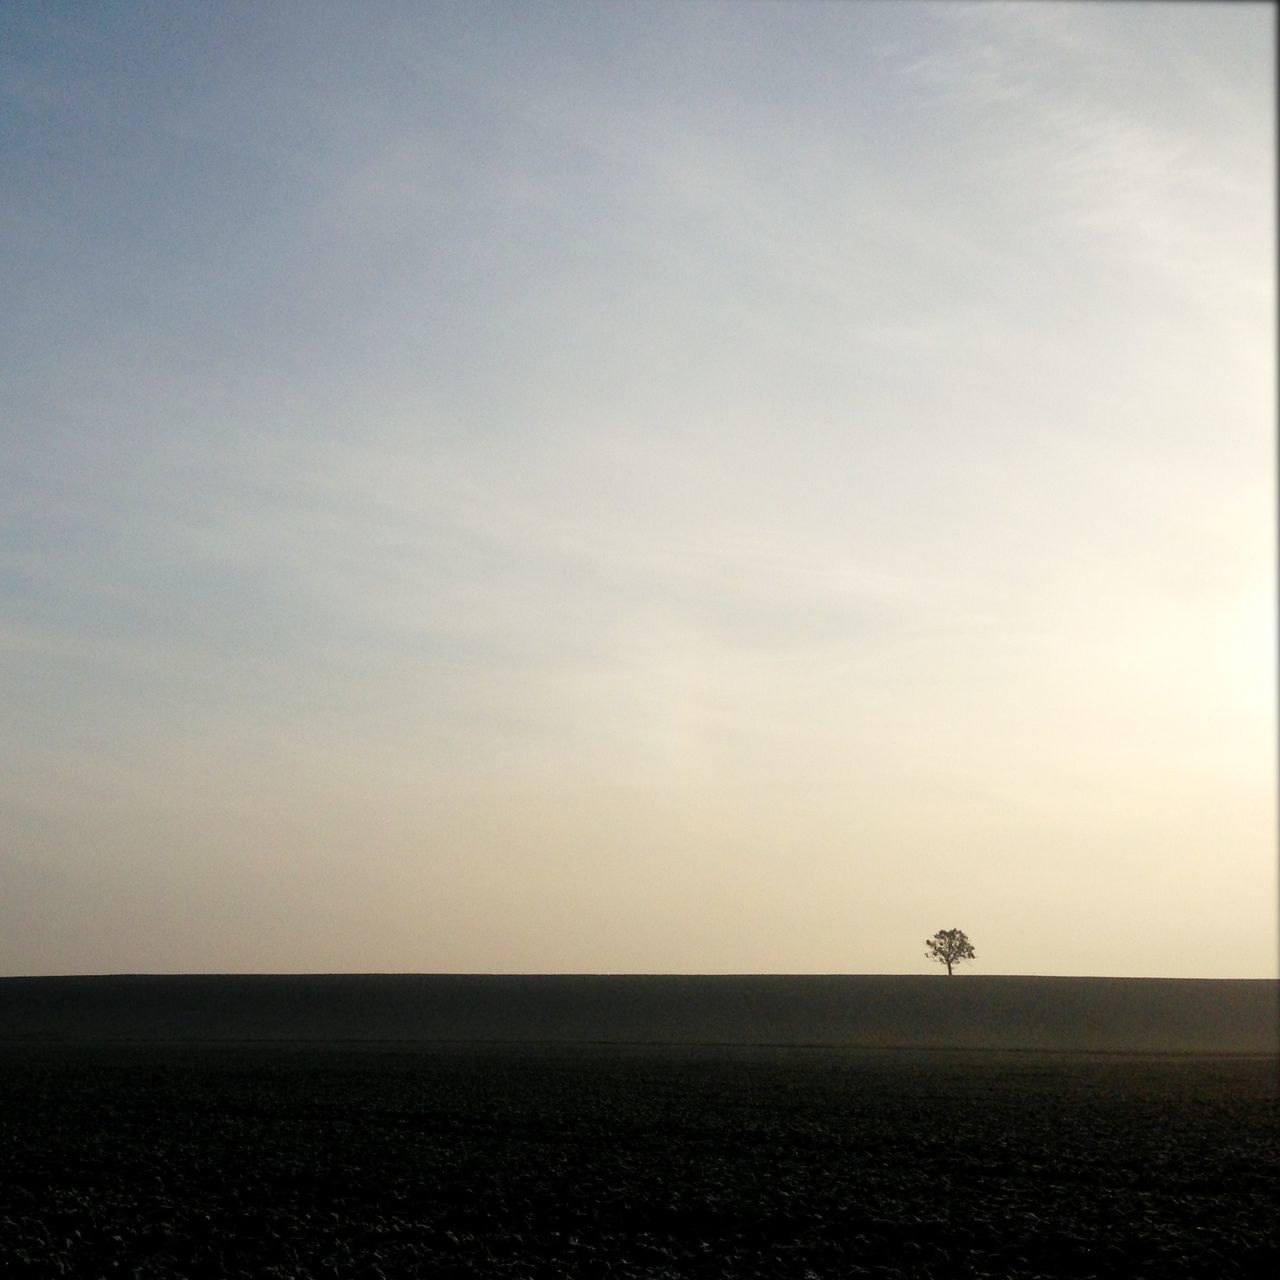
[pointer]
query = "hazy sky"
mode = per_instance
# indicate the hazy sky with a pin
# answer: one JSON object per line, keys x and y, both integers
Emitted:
{"x": 663, "y": 487}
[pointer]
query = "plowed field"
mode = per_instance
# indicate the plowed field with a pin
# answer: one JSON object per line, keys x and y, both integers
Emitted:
{"x": 526, "y": 1161}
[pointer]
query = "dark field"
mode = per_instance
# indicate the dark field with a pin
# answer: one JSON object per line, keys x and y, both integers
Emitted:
{"x": 1147, "y": 1015}
{"x": 580, "y": 1161}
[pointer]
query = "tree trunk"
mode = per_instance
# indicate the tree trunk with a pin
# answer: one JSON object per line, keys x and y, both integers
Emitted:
{"x": 948, "y": 968}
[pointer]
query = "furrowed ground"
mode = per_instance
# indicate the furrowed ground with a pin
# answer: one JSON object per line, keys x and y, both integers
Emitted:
{"x": 526, "y": 1161}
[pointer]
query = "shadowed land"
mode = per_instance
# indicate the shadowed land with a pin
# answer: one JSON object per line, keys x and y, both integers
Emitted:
{"x": 1151, "y": 1015}
{"x": 633, "y": 1162}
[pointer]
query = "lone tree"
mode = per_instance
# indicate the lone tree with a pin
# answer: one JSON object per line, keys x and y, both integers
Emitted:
{"x": 949, "y": 947}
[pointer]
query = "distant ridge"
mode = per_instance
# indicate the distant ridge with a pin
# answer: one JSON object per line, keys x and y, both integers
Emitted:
{"x": 1160, "y": 1015}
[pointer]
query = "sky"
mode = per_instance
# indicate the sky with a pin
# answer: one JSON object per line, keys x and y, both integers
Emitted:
{"x": 678, "y": 487}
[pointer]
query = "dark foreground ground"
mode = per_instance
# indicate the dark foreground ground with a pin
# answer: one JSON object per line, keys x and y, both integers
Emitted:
{"x": 520, "y": 1161}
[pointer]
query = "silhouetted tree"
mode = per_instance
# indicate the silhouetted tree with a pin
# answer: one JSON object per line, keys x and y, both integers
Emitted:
{"x": 949, "y": 947}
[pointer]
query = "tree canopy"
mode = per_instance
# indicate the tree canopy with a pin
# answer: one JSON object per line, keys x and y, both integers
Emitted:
{"x": 950, "y": 947}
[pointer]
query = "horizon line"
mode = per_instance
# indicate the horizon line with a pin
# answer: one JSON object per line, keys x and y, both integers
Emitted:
{"x": 615, "y": 973}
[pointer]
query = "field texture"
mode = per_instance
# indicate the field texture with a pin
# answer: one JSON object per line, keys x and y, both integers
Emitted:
{"x": 275, "y": 1160}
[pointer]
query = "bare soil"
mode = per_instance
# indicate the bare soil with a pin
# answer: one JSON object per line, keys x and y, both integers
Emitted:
{"x": 579, "y": 1161}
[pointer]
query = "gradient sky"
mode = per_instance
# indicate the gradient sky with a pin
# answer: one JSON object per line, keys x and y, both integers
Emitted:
{"x": 675, "y": 487}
